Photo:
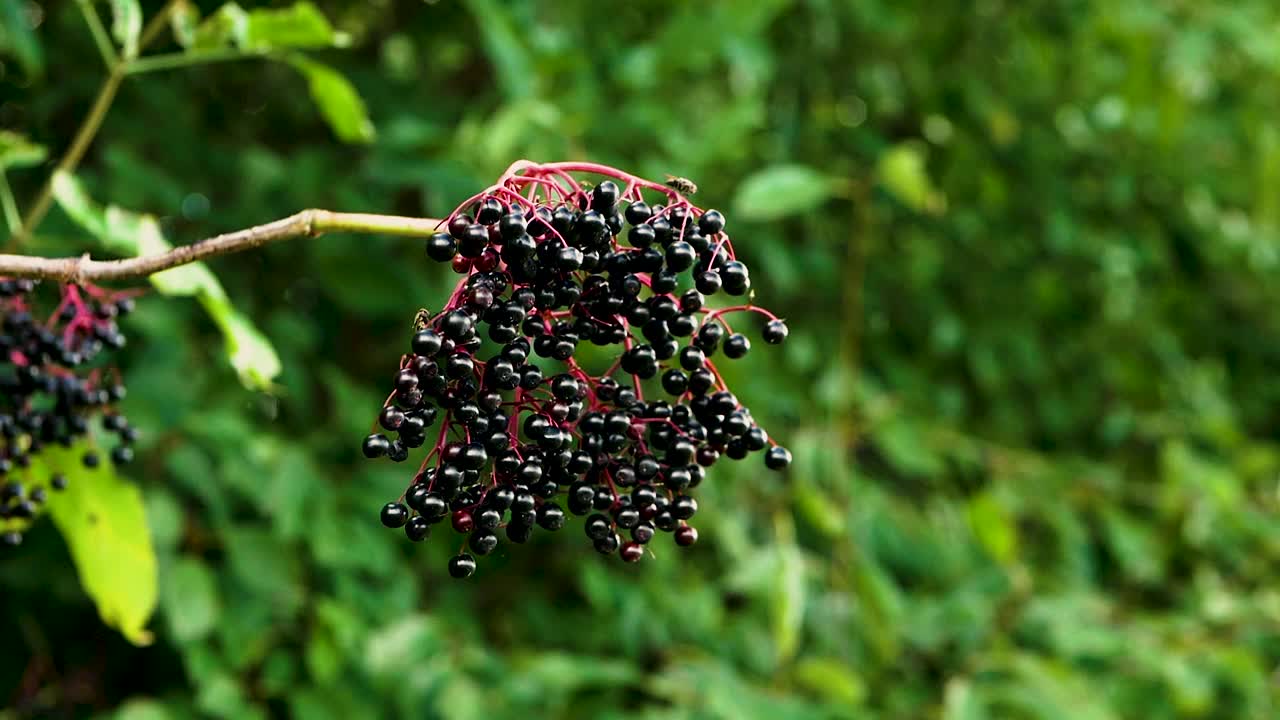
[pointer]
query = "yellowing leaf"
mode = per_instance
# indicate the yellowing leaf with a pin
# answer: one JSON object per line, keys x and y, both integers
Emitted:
{"x": 104, "y": 522}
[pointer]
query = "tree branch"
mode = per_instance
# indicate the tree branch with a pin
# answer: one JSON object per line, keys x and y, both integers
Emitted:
{"x": 308, "y": 223}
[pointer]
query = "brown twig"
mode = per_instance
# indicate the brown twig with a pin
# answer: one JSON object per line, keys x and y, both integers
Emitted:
{"x": 308, "y": 223}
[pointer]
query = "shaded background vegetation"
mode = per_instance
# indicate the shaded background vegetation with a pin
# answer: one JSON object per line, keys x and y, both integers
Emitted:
{"x": 1031, "y": 386}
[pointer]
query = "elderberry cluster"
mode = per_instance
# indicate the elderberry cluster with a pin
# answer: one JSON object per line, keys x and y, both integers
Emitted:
{"x": 51, "y": 387}
{"x": 528, "y": 433}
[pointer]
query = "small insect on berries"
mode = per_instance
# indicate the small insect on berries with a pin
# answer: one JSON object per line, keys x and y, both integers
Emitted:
{"x": 682, "y": 185}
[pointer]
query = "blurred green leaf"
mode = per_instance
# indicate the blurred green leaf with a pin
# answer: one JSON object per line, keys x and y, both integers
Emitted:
{"x": 903, "y": 173}
{"x": 831, "y": 678}
{"x": 184, "y": 19}
{"x": 995, "y": 527}
{"x": 338, "y": 101}
{"x": 16, "y": 150}
{"x": 18, "y": 38}
{"x": 300, "y": 25}
{"x": 104, "y": 522}
{"x": 126, "y": 25}
{"x": 190, "y": 600}
{"x": 777, "y": 191}
{"x": 787, "y": 602}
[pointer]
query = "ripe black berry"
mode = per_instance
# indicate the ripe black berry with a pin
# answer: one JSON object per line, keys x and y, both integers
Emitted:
{"x": 394, "y": 515}
{"x": 777, "y": 458}
{"x": 462, "y": 565}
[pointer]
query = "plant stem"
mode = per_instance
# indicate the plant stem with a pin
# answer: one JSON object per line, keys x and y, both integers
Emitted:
{"x": 171, "y": 61}
{"x": 308, "y": 223}
{"x": 12, "y": 220}
{"x": 100, "y": 37}
{"x": 155, "y": 25}
{"x": 84, "y": 136}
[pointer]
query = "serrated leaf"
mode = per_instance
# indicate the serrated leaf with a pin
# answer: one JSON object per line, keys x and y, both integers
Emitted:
{"x": 17, "y": 150}
{"x": 300, "y": 25}
{"x": 128, "y": 233}
{"x": 339, "y": 103}
{"x": 190, "y": 599}
{"x": 104, "y": 522}
{"x": 126, "y": 25}
{"x": 782, "y": 190}
{"x": 18, "y": 38}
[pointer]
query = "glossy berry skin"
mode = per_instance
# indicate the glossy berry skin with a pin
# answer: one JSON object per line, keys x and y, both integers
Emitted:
{"x": 462, "y": 566}
{"x": 441, "y": 247}
{"x": 736, "y": 345}
{"x": 775, "y": 333}
{"x": 686, "y": 535}
{"x": 417, "y": 529}
{"x": 394, "y": 515}
{"x": 632, "y": 552}
{"x": 777, "y": 458}
{"x": 375, "y": 446}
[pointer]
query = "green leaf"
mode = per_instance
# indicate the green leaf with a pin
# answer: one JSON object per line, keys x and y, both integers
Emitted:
{"x": 339, "y": 103}
{"x": 128, "y": 233}
{"x": 994, "y": 526}
{"x": 778, "y": 191}
{"x": 126, "y": 25}
{"x": 104, "y": 522}
{"x": 18, "y": 37}
{"x": 787, "y": 601}
{"x": 227, "y": 24}
{"x": 832, "y": 678}
{"x": 300, "y": 25}
{"x": 17, "y": 150}
{"x": 903, "y": 173}
{"x": 185, "y": 21}
{"x": 250, "y": 352}
{"x": 189, "y": 597}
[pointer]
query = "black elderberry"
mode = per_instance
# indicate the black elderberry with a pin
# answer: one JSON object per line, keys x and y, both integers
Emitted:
{"x": 711, "y": 222}
{"x": 394, "y": 515}
{"x": 736, "y": 345}
{"x": 462, "y": 565}
{"x": 483, "y": 542}
{"x": 775, "y": 332}
{"x": 441, "y": 247}
{"x": 607, "y": 545}
{"x": 777, "y": 458}
{"x": 417, "y": 529}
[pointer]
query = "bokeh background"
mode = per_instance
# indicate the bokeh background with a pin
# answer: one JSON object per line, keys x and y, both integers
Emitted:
{"x": 1030, "y": 256}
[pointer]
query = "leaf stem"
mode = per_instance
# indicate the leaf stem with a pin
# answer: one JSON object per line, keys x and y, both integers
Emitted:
{"x": 174, "y": 60}
{"x": 100, "y": 37}
{"x": 12, "y": 219}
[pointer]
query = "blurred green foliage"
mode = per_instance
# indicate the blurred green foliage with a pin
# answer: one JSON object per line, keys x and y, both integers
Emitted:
{"x": 1030, "y": 255}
